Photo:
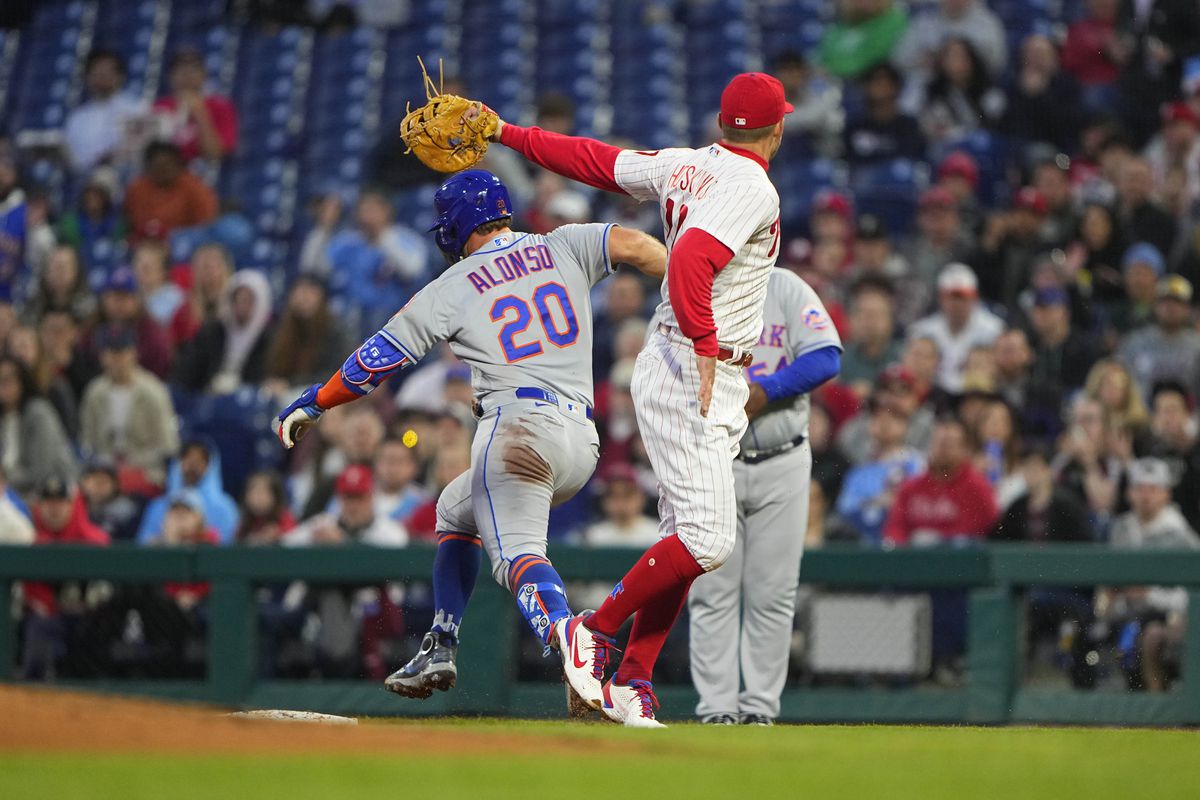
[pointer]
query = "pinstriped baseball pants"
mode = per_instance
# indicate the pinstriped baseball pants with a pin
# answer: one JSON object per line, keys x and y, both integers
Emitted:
{"x": 692, "y": 455}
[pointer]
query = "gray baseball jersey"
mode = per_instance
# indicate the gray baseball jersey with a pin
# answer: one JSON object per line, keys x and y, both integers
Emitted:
{"x": 741, "y": 615}
{"x": 795, "y": 322}
{"x": 518, "y": 311}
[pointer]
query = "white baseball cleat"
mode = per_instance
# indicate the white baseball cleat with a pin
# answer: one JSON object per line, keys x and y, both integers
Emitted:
{"x": 631, "y": 705}
{"x": 584, "y": 657}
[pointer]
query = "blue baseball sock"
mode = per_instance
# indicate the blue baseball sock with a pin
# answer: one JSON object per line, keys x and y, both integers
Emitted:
{"x": 455, "y": 569}
{"x": 539, "y": 592}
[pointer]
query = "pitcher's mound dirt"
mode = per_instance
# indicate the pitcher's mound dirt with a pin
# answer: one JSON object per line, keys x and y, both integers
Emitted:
{"x": 53, "y": 720}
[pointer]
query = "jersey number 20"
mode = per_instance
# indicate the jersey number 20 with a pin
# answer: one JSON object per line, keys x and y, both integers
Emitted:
{"x": 564, "y": 336}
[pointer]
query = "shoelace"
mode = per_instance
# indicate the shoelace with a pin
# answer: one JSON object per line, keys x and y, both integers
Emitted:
{"x": 602, "y": 645}
{"x": 645, "y": 693}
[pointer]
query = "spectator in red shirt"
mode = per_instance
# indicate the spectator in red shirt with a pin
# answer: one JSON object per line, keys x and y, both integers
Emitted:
{"x": 1087, "y": 53}
{"x": 950, "y": 500}
{"x": 200, "y": 124}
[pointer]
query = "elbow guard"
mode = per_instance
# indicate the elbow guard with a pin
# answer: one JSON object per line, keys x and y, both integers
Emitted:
{"x": 370, "y": 365}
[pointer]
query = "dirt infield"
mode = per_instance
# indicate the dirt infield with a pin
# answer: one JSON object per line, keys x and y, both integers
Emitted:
{"x": 48, "y": 720}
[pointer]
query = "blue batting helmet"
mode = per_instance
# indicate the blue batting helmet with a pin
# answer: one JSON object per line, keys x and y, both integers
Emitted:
{"x": 463, "y": 203}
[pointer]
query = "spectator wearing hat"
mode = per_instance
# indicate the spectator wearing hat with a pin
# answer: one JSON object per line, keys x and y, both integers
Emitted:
{"x": 167, "y": 196}
{"x": 1062, "y": 356}
{"x": 1142, "y": 266}
{"x": 960, "y": 324}
{"x": 870, "y": 486}
{"x": 895, "y": 387}
{"x": 1173, "y": 438}
{"x": 940, "y": 237}
{"x": 882, "y": 131}
{"x": 102, "y": 129}
{"x": 1141, "y": 216}
{"x": 197, "y": 467}
{"x": 872, "y": 344}
{"x": 968, "y": 19}
{"x": 184, "y": 525}
{"x": 623, "y": 505}
{"x": 33, "y": 444}
{"x": 1154, "y": 616}
{"x": 356, "y": 519}
{"x": 1170, "y": 347}
{"x": 199, "y": 123}
{"x": 1153, "y": 521}
{"x": 958, "y": 174}
{"x": 1010, "y": 243}
{"x": 1043, "y": 100}
{"x": 1087, "y": 53}
{"x": 96, "y": 227}
{"x": 1174, "y": 159}
{"x": 864, "y": 33}
{"x": 115, "y": 513}
{"x": 59, "y": 517}
{"x": 120, "y": 306}
{"x": 16, "y": 524}
{"x": 127, "y": 417}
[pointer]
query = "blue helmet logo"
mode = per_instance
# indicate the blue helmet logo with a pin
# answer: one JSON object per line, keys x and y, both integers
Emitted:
{"x": 463, "y": 203}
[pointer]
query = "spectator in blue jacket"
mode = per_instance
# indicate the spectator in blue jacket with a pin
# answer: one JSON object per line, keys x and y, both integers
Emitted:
{"x": 198, "y": 467}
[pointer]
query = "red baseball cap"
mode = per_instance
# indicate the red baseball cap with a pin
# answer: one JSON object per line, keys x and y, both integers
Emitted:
{"x": 1031, "y": 199}
{"x": 753, "y": 100}
{"x": 1179, "y": 112}
{"x": 936, "y": 197}
{"x": 831, "y": 202}
{"x": 355, "y": 481}
{"x": 959, "y": 164}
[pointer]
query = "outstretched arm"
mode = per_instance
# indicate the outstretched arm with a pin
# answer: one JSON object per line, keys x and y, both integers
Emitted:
{"x": 576, "y": 157}
{"x": 371, "y": 364}
{"x": 640, "y": 250}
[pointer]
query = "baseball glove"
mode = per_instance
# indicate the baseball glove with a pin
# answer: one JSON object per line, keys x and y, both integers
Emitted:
{"x": 449, "y": 133}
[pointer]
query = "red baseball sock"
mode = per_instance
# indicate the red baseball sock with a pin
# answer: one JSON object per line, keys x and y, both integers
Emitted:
{"x": 661, "y": 571}
{"x": 650, "y": 628}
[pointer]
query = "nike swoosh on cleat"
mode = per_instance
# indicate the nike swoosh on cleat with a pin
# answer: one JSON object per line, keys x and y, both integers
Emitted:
{"x": 575, "y": 656}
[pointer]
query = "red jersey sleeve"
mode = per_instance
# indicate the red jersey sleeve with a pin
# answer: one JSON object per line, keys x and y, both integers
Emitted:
{"x": 694, "y": 263}
{"x": 575, "y": 157}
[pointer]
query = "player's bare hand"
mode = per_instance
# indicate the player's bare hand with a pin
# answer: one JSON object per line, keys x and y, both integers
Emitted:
{"x": 757, "y": 400}
{"x": 707, "y": 367}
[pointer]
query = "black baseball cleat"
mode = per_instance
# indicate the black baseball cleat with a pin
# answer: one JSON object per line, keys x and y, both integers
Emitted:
{"x": 431, "y": 668}
{"x": 757, "y": 719}
{"x": 719, "y": 719}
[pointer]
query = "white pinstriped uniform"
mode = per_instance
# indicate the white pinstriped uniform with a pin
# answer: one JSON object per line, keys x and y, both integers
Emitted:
{"x": 728, "y": 196}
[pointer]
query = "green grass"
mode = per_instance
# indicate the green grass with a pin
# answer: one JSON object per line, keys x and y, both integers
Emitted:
{"x": 687, "y": 761}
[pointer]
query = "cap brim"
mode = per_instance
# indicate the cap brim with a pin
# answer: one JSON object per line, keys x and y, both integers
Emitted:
{"x": 788, "y": 107}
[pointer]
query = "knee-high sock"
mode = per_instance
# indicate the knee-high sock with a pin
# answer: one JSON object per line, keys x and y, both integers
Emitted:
{"x": 662, "y": 572}
{"x": 455, "y": 570}
{"x": 539, "y": 592}
{"x": 651, "y": 625}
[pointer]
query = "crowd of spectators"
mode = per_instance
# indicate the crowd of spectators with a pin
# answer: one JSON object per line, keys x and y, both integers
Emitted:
{"x": 1020, "y": 365}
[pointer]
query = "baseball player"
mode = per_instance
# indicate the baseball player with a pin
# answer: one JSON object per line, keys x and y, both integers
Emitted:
{"x": 720, "y": 217}
{"x": 516, "y": 308}
{"x": 741, "y": 615}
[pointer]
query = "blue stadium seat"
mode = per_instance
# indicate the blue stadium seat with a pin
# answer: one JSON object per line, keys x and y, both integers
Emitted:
{"x": 889, "y": 191}
{"x": 992, "y": 154}
{"x": 239, "y": 424}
